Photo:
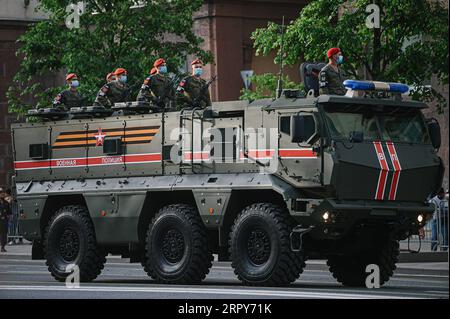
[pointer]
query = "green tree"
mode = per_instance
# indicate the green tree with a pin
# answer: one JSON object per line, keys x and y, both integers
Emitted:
{"x": 265, "y": 86}
{"x": 410, "y": 46}
{"x": 111, "y": 34}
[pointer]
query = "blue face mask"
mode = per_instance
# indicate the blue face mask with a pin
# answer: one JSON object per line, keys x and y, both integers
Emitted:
{"x": 163, "y": 69}
{"x": 198, "y": 71}
{"x": 123, "y": 78}
{"x": 340, "y": 59}
{"x": 75, "y": 84}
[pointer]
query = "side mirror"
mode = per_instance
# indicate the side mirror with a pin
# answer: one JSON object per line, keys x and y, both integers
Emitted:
{"x": 303, "y": 129}
{"x": 435, "y": 132}
{"x": 356, "y": 137}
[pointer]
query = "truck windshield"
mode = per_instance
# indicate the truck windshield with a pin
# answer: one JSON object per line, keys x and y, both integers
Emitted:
{"x": 385, "y": 124}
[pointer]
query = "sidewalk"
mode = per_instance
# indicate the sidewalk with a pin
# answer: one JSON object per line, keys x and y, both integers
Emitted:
{"x": 18, "y": 250}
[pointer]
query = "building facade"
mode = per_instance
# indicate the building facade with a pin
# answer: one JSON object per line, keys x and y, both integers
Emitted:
{"x": 15, "y": 17}
{"x": 225, "y": 26}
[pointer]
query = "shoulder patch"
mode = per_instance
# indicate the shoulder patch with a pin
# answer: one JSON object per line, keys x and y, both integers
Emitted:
{"x": 181, "y": 86}
{"x": 323, "y": 79}
{"x": 147, "y": 81}
{"x": 105, "y": 88}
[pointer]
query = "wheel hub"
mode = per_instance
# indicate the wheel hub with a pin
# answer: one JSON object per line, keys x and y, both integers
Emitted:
{"x": 69, "y": 245}
{"x": 258, "y": 246}
{"x": 173, "y": 245}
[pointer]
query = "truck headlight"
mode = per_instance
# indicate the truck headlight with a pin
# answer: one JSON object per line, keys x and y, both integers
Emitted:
{"x": 420, "y": 218}
{"x": 326, "y": 216}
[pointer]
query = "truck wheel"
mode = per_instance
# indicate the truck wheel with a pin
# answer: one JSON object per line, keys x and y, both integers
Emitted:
{"x": 350, "y": 270}
{"x": 260, "y": 247}
{"x": 177, "y": 250}
{"x": 70, "y": 239}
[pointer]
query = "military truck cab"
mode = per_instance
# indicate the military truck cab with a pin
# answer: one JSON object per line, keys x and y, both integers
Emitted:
{"x": 265, "y": 184}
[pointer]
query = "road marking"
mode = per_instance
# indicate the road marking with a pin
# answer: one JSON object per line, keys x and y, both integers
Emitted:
{"x": 442, "y": 293}
{"x": 242, "y": 292}
{"x": 294, "y": 290}
{"x": 410, "y": 275}
{"x": 311, "y": 273}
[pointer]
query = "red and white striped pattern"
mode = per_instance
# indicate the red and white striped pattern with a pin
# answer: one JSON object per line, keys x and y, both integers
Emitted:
{"x": 397, "y": 170}
{"x": 385, "y": 170}
{"x": 259, "y": 154}
{"x": 90, "y": 161}
{"x": 382, "y": 178}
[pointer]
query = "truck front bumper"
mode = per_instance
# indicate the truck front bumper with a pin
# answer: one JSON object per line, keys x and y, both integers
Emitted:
{"x": 334, "y": 219}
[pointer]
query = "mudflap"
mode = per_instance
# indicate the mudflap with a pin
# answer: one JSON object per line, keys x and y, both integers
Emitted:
{"x": 37, "y": 250}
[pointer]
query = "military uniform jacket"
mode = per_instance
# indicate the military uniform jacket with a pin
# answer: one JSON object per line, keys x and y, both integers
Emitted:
{"x": 155, "y": 89}
{"x": 68, "y": 99}
{"x": 331, "y": 81}
{"x": 113, "y": 92}
{"x": 190, "y": 90}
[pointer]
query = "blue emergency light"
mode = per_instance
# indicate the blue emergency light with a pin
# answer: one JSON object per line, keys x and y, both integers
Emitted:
{"x": 376, "y": 86}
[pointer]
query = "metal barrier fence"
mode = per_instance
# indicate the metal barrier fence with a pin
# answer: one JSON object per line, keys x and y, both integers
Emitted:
{"x": 13, "y": 225}
{"x": 434, "y": 236}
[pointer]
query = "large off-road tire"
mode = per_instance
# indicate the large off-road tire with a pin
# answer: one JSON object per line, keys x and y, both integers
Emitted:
{"x": 70, "y": 239}
{"x": 177, "y": 250}
{"x": 260, "y": 247}
{"x": 350, "y": 270}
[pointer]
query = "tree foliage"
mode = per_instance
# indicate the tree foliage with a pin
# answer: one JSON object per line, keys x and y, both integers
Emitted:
{"x": 111, "y": 34}
{"x": 411, "y": 45}
{"x": 265, "y": 86}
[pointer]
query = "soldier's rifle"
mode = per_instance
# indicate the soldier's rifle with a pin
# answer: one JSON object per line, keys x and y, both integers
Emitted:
{"x": 203, "y": 90}
{"x": 160, "y": 101}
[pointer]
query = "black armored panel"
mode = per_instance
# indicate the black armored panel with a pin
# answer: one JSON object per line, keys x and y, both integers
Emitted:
{"x": 137, "y": 107}
{"x": 48, "y": 114}
{"x": 90, "y": 112}
{"x": 309, "y": 73}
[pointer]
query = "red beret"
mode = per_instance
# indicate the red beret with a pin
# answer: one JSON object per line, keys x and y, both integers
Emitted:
{"x": 120, "y": 71}
{"x": 197, "y": 61}
{"x": 153, "y": 71}
{"x": 159, "y": 62}
{"x": 332, "y": 52}
{"x": 70, "y": 76}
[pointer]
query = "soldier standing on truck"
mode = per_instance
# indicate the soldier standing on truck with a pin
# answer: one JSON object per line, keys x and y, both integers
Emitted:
{"x": 331, "y": 77}
{"x": 192, "y": 89}
{"x": 114, "y": 92}
{"x": 157, "y": 89}
{"x": 70, "y": 97}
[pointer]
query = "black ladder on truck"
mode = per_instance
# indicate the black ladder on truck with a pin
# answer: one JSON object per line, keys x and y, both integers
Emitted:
{"x": 187, "y": 114}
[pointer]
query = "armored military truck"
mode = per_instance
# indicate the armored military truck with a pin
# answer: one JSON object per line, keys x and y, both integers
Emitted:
{"x": 265, "y": 184}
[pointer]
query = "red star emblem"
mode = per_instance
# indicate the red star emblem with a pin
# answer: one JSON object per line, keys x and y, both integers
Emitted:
{"x": 99, "y": 137}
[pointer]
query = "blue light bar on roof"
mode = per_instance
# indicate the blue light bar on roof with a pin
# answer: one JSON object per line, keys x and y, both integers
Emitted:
{"x": 376, "y": 86}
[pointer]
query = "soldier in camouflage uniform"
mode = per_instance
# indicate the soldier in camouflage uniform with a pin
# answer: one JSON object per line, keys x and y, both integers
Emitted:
{"x": 331, "y": 77}
{"x": 190, "y": 91}
{"x": 70, "y": 97}
{"x": 157, "y": 89}
{"x": 114, "y": 92}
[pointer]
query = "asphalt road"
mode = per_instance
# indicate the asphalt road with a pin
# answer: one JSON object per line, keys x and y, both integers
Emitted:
{"x": 24, "y": 278}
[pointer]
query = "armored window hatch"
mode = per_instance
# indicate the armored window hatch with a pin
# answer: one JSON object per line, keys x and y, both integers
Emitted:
{"x": 38, "y": 151}
{"x": 113, "y": 146}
